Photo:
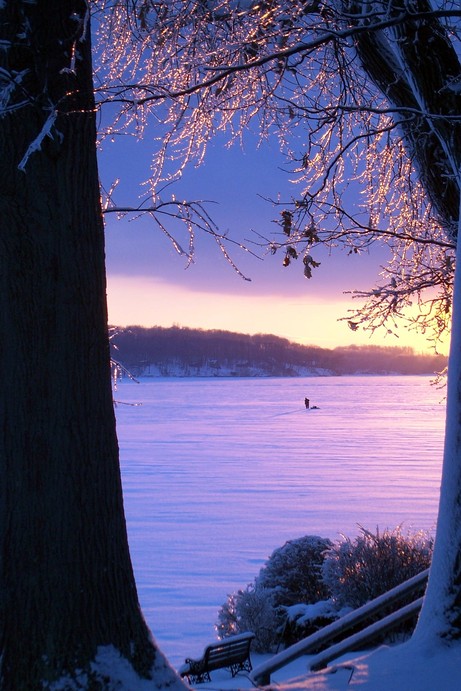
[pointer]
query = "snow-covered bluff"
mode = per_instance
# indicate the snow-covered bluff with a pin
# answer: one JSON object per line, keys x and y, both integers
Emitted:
{"x": 183, "y": 352}
{"x": 212, "y": 368}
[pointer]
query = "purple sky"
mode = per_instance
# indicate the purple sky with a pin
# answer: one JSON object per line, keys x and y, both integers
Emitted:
{"x": 149, "y": 284}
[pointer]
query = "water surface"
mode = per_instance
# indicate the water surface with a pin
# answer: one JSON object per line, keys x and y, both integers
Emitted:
{"x": 219, "y": 472}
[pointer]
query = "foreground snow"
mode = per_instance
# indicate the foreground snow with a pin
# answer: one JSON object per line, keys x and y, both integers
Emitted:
{"x": 406, "y": 667}
{"x": 111, "y": 671}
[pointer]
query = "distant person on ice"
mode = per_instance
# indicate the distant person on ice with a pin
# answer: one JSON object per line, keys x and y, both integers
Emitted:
{"x": 306, "y": 402}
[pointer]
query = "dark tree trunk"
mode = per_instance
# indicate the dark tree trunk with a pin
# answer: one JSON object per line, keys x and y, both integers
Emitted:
{"x": 67, "y": 586}
{"x": 415, "y": 65}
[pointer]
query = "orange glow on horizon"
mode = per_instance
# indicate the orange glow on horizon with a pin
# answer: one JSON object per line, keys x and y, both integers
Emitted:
{"x": 146, "y": 301}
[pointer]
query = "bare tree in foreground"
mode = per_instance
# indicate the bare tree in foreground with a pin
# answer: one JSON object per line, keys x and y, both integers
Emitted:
{"x": 69, "y": 611}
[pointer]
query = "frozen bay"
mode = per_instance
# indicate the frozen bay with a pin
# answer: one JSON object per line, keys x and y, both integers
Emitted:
{"x": 217, "y": 473}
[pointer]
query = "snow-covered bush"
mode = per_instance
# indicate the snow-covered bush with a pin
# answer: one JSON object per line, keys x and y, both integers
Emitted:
{"x": 309, "y": 582}
{"x": 294, "y": 571}
{"x": 303, "y": 620}
{"x": 356, "y": 571}
{"x": 252, "y": 609}
{"x": 292, "y": 574}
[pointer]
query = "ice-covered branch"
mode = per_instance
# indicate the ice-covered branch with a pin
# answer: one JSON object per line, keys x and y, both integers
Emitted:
{"x": 194, "y": 218}
{"x": 8, "y": 86}
{"x": 36, "y": 145}
{"x": 372, "y": 163}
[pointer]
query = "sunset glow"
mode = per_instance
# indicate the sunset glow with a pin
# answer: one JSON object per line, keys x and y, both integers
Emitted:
{"x": 147, "y": 301}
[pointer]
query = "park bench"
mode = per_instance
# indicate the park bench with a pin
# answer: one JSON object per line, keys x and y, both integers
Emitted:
{"x": 231, "y": 653}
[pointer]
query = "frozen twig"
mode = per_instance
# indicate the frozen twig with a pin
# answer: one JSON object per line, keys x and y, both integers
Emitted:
{"x": 36, "y": 145}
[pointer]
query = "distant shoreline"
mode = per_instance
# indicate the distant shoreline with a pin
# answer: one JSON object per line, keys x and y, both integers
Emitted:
{"x": 282, "y": 376}
{"x": 181, "y": 352}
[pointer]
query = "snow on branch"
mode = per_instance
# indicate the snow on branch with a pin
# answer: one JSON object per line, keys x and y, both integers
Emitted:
{"x": 36, "y": 145}
{"x": 8, "y": 85}
{"x": 193, "y": 216}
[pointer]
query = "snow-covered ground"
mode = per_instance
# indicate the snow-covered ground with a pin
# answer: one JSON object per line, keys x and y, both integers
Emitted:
{"x": 400, "y": 668}
{"x": 218, "y": 473}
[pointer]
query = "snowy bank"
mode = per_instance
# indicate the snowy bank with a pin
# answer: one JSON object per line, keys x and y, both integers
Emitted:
{"x": 405, "y": 667}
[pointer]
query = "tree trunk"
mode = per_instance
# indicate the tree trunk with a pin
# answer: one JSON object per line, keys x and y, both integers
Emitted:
{"x": 415, "y": 78}
{"x": 441, "y": 613}
{"x": 68, "y": 596}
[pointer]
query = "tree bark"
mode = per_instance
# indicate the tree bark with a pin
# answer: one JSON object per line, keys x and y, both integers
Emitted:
{"x": 441, "y": 612}
{"x": 67, "y": 588}
{"x": 415, "y": 78}
{"x": 415, "y": 65}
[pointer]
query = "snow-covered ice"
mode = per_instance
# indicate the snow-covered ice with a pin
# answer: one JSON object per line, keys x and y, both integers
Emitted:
{"x": 218, "y": 473}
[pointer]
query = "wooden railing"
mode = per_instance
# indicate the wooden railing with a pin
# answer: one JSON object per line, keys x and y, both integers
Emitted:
{"x": 326, "y": 639}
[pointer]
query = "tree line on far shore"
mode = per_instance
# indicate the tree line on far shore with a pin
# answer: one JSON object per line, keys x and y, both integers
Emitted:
{"x": 193, "y": 352}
